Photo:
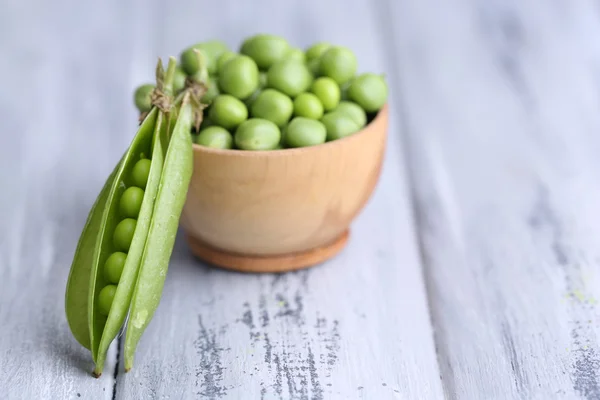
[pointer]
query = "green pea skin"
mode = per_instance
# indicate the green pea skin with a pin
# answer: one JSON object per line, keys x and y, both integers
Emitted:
{"x": 274, "y": 106}
{"x": 295, "y": 53}
{"x": 304, "y": 132}
{"x": 338, "y": 63}
{"x": 328, "y": 92}
{"x": 369, "y": 91}
{"x": 265, "y": 49}
{"x": 179, "y": 79}
{"x": 289, "y": 77}
{"x": 124, "y": 234}
{"x": 223, "y": 58}
{"x": 105, "y": 299}
{"x": 257, "y": 134}
{"x": 338, "y": 125}
{"x": 215, "y": 137}
{"x": 308, "y": 105}
{"x": 354, "y": 111}
{"x": 142, "y": 97}
{"x": 316, "y": 50}
{"x": 131, "y": 202}
{"x": 211, "y": 50}
{"x": 140, "y": 172}
{"x": 239, "y": 77}
{"x": 113, "y": 267}
{"x": 228, "y": 111}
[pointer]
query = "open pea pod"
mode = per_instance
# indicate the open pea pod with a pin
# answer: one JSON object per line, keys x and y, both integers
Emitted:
{"x": 76, "y": 293}
{"x": 122, "y": 256}
{"x": 106, "y": 328}
{"x": 177, "y": 173}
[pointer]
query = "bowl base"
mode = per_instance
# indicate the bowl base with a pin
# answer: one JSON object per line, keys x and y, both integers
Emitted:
{"x": 278, "y": 263}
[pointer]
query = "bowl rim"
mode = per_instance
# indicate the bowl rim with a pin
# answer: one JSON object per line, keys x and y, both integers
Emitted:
{"x": 282, "y": 152}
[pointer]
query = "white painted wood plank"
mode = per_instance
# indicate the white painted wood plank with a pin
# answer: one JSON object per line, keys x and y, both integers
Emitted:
{"x": 66, "y": 112}
{"x": 502, "y": 108}
{"x": 356, "y": 327}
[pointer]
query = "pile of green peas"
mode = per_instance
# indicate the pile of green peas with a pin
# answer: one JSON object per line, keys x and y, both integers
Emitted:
{"x": 271, "y": 95}
{"x": 129, "y": 209}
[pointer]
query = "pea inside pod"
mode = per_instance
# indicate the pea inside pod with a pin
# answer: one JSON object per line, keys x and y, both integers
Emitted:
{"x": 105, "y": 269}
{"x": 162, "y": 231}
{"x": 126, "y": 235}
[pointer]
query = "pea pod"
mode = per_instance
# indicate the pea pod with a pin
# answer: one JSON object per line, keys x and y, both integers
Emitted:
{"x": 105, "y": 330}
{"x": 115, "y": 241}
{"x": 76, "y": 294}
{"x": 170, "y": 199}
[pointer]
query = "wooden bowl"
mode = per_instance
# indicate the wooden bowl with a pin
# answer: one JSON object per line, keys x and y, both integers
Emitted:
{"x": 280, "y": 210}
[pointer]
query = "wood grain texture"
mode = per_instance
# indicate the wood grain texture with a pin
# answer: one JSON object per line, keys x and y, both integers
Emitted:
{"x": 59, "y": 100}
{"x": 501, "y": 106}
{"x": 356, "y": 327}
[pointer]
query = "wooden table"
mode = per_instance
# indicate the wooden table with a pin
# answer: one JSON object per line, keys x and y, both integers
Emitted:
{"x": 473, "y": 273}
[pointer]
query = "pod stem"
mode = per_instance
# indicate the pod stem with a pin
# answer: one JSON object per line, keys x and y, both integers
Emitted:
{"x": 162, "y": 94}
{"x": 170, "y": 76}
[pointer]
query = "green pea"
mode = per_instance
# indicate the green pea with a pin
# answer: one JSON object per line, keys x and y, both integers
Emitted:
{"x": 274, "y": 106}
{"x": 328, "y": 91}
{"x": 212, "y": 92}
{"x": 113, "y": 267}
{"x": 223, "y": 58}
{"x": 142, "y": 97}
{"x": 308, "y": 105}
{"x": 215, "y": 137}
{"x": 239, "y": 77}
{"x": 140, "y": 172}
{"x": 369, "y": 91}
{"x": 295, "y": 53}
{"x": 303, "y": 132}
{"x": 124, "y": 234}
{"x": 354, "y": 111}
{"x": 105, "y": 299}
{"x": 314, "y": 66}
{"x": 289, "y": 77}
{"x": 131, "y": 202}
{"x": 179, "y": 79}
{"x": 211, "y": 50}
{"x": 338, "y": 63}
{"x": 257, "y": 134}
{"x": 265, "y": 49}
{"x": 316, "y": 50}
{"x": 227, "y": 111}
{"x": 339, "y": 125}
